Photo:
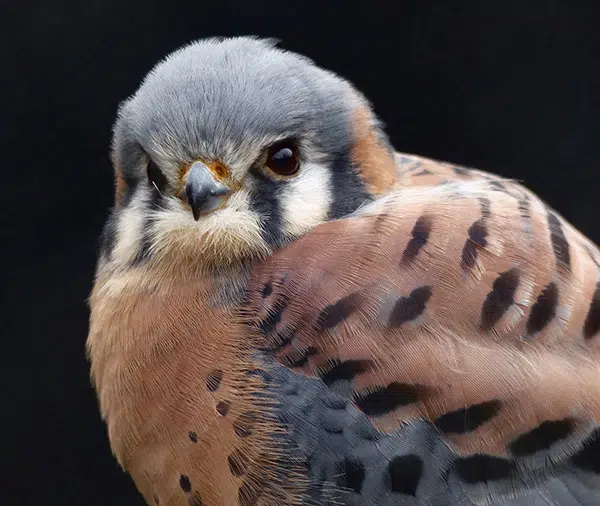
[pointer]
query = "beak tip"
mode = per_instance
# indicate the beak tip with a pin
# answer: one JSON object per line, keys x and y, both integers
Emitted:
{"x": 202, "y": 191}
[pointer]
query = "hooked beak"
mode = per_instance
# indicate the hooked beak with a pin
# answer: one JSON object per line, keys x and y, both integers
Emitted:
{"x": 203, "y": 191}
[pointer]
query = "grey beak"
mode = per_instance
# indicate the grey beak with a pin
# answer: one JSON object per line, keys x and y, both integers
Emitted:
{"x": 203, "y": 192}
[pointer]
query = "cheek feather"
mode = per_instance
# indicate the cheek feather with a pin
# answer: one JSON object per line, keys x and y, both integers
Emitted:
{"x": 305, "y": 200}
{"x": 224, "y": 237}
{"x": 130, "y": 226}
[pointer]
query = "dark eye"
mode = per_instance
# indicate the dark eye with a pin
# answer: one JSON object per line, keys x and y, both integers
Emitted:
{"x": 282, "y": 158}
{"x": 156, "y": 177}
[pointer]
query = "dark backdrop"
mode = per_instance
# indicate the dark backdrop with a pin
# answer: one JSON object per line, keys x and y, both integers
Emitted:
{"x": 509, "y": 86}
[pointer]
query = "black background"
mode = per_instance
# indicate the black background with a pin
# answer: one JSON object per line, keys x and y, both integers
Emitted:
{"x": 511, "y": 87}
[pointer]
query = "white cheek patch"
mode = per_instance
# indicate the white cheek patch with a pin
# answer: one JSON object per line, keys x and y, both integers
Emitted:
{"x": 305, "y": 199}
{"x": 129, "y": 231}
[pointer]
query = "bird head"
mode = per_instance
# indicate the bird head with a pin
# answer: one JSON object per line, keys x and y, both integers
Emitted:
{"x": 230, "y": 148}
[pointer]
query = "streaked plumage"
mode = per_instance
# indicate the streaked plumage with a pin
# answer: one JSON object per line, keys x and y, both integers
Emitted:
{"x": 377, "y": 328}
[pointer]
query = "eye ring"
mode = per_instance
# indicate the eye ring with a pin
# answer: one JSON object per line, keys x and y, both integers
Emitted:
{"x": 282, "y": 158}
{"x": 220, "y": 171}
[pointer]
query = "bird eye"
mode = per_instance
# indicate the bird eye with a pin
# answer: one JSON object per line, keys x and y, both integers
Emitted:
{"x": 282, "y": 158}
{"x": 156, "y": 177}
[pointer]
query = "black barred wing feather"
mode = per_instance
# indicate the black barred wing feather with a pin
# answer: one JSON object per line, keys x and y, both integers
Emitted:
{"x": 465, "y": 306}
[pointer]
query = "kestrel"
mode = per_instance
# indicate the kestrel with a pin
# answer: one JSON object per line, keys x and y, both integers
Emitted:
{"x": 288, "y": 311}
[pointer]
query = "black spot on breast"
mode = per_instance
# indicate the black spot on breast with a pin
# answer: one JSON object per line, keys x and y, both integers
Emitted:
{"x": 424, "y": 172}
{"x": 267, "y": 325}
{"x": 385, "y": 399}
{"x": 404, "y": 473}
{"x": 500, "y": 298}
{"x": 300, "y": 359}
{"x": 486, "y": 207}
{"x": 592, "y": 320}
{"x": 408, "y": 308}
{"x": 222, "y": 407}
{"x": 267, "y": 290}
{"x": 193, "y": 437}
{"x": 420, "y": 236}
{"x": 238, "y": 463}
{"x": 588, "y": 458}
{"x": 184, "y": 483}
{"x": 544, "y": 309}
{"x": 346, "y": 370}
{"x": 195, "y": 500}
{"x": 334, "y": 314}
{"x": 560, "y": 245}
{"x": 542, "y": 437}
{"x": 468, "y": 419}
{"x": 213, "y": 380}
{"x": 477, "y": 238}
{"x": 244, "y": 423}
{"x": 249, "y": 493}
{"x": 483, "y": 468}
{"x": 351, "y": 474}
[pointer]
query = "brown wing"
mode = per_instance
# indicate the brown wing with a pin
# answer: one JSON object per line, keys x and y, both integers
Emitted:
{"x": 468, "y": 303}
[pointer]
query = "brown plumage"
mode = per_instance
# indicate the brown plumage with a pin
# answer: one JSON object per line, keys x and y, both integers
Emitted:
{"x": 449, "y": 293}
{"x": 454, "y": 297}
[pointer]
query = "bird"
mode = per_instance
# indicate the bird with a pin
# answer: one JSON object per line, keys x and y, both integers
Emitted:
{"x": 287, "y": 310}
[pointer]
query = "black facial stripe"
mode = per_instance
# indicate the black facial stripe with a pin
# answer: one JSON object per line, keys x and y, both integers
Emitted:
{"x": 108, "y": 236}
{"x": 349, "y": 191}
{"x": 266, "y": 203}
{"x": 154, "y": 204}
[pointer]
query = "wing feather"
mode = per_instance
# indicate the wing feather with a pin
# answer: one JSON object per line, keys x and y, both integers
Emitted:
{"x": 464, "y": 298}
